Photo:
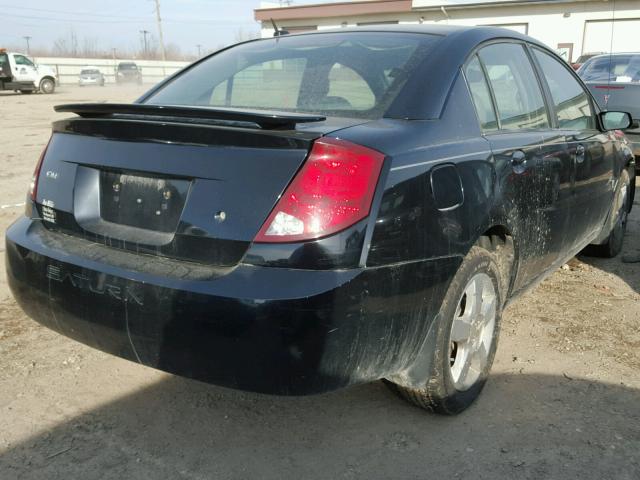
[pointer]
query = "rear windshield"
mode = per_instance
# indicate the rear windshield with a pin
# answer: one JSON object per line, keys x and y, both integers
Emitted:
{"x": 89, "y": 72}
{"x": 337, "y": 74}
{"x": 614, "y": 68}
{"x": 127, "y": 66}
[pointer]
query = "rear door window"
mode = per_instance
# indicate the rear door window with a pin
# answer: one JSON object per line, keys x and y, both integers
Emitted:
{"x": 480, "y": 95}
{"x": 515, "y": 87}
{"x": 571, "y": 102}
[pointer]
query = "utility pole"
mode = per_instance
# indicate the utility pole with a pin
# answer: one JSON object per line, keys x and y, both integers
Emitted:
{"x": 27, "y": 38}
{"x": 144, "y": 40}
{"x": 164, "y": 53}
{"x": 199, "y": 47}
{"x": 115, "y": 67}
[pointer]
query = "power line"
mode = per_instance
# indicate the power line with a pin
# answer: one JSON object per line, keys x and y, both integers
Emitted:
{"x": 142, "y": 20}
{"x": 67, "y": 20}
{"x": 76, "y": 13}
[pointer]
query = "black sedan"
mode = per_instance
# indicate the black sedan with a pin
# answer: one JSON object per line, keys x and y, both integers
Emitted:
{"x": 298, "y": 214}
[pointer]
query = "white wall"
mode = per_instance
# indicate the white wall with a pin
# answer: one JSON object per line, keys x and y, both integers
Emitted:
{"x": 69, "y": 68}
{"x": 550, "y": 23}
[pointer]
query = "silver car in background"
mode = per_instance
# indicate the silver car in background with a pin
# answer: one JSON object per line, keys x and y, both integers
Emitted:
{"x": 91, "y": 76}
{"x": 614, "y": 81}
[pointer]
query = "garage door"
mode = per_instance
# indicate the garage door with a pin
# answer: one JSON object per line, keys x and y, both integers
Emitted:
{"x": 597, "y": 35}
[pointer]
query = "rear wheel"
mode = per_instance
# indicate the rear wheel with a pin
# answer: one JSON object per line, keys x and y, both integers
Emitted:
{"x": 466, "y": 337}
{"x": 612, "y": 245}
{"x": 47, "y": 85}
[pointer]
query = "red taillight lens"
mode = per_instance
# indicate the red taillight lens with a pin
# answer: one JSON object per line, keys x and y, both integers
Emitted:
{"x": 332, "y": 191}
{"x": 33, "y": 186}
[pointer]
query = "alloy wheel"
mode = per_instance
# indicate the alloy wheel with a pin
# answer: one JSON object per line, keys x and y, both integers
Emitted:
{"x": 472, "y": 331}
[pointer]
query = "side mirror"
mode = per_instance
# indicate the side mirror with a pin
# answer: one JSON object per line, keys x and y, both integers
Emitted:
{"x": 616, "y": 120}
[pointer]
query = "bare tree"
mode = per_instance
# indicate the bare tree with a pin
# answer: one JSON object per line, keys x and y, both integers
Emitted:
{"x": 66, "y": 46}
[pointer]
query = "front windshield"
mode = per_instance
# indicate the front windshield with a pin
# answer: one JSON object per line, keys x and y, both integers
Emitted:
{"x": 340, "y": 74}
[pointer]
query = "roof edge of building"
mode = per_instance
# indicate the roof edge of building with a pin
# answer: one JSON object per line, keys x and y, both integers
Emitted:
{"x": 374, "y": 7}
{"x": 338, "y": 9}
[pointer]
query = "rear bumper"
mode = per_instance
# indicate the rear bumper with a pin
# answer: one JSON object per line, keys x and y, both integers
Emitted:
{"x": 263, "y": 329}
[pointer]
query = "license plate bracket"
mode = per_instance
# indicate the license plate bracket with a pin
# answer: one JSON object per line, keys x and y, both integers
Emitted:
{"x": 148, "y": 202}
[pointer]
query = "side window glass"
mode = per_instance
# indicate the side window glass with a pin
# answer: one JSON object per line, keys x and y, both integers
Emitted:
{"x": 22, "y": 60}
{"x": 518, "y": 96}
{"x": 347, "y": 90}
{"x": 572, "y": 106}
{"x": 262, "y": 85}
{"x": 480, "y": 94}
{"x": 219, "y": 95}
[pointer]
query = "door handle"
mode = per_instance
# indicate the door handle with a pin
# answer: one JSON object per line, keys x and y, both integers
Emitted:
{"x": 518, "y": 161}
{"x": 580, "y": 153}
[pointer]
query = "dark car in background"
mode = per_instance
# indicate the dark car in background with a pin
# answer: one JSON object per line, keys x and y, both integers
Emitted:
{"x": 128, "y": 72}
{"x": 614, "y": 81}
{"x": 304, "y": 213}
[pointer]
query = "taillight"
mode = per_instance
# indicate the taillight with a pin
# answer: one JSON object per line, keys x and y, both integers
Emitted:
{"x": 332, "y": 191}
{"x": 33, "y": 186}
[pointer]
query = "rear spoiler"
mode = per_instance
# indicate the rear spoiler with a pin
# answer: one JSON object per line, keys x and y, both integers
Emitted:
{"x": 266, "y": 119}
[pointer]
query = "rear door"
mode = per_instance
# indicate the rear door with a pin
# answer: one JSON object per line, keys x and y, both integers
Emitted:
{"x": 591, "y": 150}
{"x": 532, "y": 163}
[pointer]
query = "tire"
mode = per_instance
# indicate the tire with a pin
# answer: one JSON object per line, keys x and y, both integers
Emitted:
{"x": 612, "y": 245}
{"x": 47, "y": 86}
{"x": 446, "y": 391}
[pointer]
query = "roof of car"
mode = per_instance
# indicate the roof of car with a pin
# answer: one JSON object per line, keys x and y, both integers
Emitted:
{"x": 443, "y": 62}
{"x": 468, "y": 35}
{"x": 617, "y": 54}
{"x": 426, "y": 28}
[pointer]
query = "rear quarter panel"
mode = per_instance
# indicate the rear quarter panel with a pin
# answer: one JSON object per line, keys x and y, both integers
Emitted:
{"x": 408, "y": 224}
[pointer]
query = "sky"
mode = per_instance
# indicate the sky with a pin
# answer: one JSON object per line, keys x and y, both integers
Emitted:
{"x": 117, "y": 23}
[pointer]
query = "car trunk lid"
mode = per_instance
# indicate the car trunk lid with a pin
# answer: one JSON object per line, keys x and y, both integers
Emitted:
{"x": 169, "y": 186}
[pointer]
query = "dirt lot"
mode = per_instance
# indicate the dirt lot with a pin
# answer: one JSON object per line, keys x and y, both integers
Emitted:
{"x": 563, "y": 401}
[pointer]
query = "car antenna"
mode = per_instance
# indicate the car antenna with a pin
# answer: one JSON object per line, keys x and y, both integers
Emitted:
{"x": 277, "y": 32}
{"x": 613, "y": 24}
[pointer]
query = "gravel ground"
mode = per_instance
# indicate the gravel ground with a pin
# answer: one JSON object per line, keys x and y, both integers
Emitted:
{"x": 563, "y": 400}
